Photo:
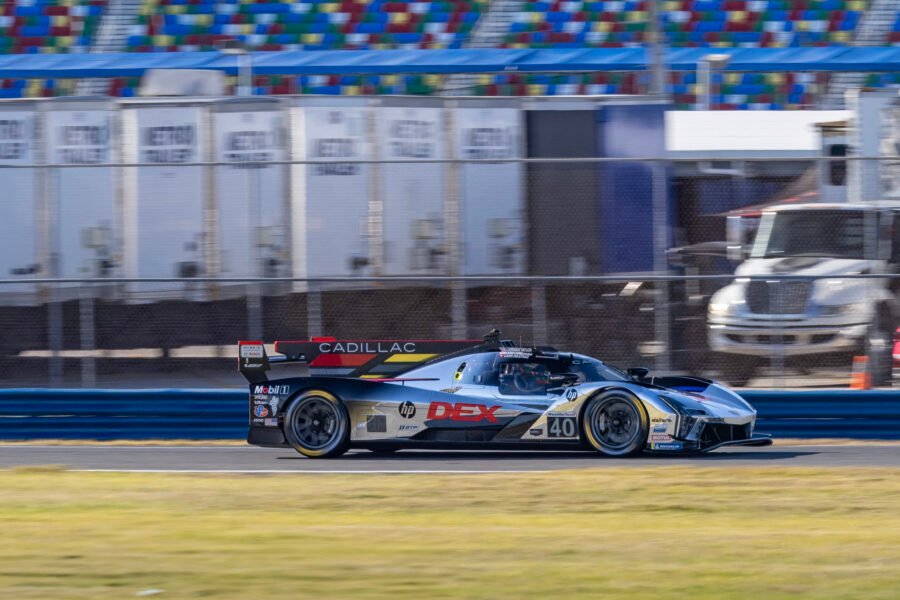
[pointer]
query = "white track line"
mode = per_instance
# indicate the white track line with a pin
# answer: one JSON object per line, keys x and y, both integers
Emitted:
{"x": 302, "y": 472}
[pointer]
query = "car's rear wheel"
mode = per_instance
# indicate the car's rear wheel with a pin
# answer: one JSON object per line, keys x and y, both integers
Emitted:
{"x": 317, "y": 425}
{"x": 615, "y": 423}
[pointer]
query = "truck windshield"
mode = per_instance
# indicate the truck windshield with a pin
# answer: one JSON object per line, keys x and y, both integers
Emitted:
{"x": 822, "y": 233}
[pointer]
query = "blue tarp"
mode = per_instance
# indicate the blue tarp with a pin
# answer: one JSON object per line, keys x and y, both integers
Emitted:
{"x": 468, "y": 60}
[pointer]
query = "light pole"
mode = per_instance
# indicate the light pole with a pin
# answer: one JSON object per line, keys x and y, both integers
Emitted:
{"x": 244, "y": 64}
{"x": 705, "y": 69}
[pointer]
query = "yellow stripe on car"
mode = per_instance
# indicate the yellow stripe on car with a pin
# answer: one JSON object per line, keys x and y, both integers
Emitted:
{"x": 409, "y": 358}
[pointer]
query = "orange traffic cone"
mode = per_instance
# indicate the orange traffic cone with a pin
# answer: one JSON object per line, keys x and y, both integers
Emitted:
{"x": 860, "y": 379}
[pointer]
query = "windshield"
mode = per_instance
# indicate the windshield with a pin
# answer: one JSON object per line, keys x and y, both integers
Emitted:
{"x": 821, "y": 233}
{"x": 591, "y": 369}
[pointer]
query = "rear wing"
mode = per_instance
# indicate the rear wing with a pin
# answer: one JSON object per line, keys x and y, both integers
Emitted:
{"x": 383, "y": 359}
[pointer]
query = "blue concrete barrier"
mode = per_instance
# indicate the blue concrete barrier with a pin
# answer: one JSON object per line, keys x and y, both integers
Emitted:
{"x": 203, "y": 414}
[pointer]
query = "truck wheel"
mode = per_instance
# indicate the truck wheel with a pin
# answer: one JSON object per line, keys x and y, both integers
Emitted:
{"x": 879, "y": 349}
{"x": 317, "y": 425}
{"x": 738, "y": 370}
{"x": 615, "y": 423}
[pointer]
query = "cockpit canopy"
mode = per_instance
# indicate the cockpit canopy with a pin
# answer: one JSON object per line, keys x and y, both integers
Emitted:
{"x": 534, "y": 375}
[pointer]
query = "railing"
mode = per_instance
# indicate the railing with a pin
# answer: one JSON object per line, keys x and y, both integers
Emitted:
{"x": 28, "y": 414}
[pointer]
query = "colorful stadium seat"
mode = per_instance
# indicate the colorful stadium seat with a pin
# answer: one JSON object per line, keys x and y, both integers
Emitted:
{"x": 46, "y": 26}
{"x": 685, "y": 23}
{"x": 166, "y": 25}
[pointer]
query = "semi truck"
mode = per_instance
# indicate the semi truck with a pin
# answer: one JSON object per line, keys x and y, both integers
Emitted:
{"x": 808, "y": 291}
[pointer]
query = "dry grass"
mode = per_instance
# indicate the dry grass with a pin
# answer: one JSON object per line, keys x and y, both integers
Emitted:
{"x": 608, "y": 533}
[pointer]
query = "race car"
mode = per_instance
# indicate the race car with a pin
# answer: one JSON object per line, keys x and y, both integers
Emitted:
{"x": 388, "y": 395}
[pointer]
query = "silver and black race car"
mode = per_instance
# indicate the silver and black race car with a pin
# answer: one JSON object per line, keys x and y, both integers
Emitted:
{"x": 390, "y": 395}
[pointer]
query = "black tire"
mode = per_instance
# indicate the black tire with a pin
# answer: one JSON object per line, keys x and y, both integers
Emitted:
{"x": 317, "y": 425}
{"x": 616, "y": 424}
{"x": 737, "y": 370}
{"x": 879, "y": 348}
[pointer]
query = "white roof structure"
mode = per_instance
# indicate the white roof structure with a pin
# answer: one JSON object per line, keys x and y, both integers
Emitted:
{"x": 747, "y": 133}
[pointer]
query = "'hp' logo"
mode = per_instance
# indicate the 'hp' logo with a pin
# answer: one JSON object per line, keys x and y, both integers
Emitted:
{"x": 407, "y": 410}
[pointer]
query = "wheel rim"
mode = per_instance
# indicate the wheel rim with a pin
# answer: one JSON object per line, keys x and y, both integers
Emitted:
{"x": 316, "y": 423}
{"x": 616, "y": 423}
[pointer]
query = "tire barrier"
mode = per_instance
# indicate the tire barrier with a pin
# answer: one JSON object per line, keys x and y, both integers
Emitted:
{"x": 206, "y": 414}
{"x": 857, "y": 414}
{"x": 74, "y": 414}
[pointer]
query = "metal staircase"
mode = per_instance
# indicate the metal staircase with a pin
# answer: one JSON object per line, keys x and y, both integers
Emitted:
{"x": 873, "y": 29}
{"x": 111, "y": 36}
{"x": 488, "y": 32}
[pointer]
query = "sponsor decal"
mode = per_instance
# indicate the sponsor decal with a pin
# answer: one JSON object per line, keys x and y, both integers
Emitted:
{"x": 168, "y": 143}
{"x": 412, "y": 138}
{"x": 15, "y": 137}
{"x": 668, "y": 446}
{"x": 561, "y": 427}
{"x": 562, "y": 414}
{"x": 271, "y": 389}
{"x": 252, "y": 351}
{"x": 536, "y": 432}
{"x": 259, "y": 421}
{"x": 260, "y": 410}
{"x": 409, "y": 427}
{"x": 80, "y": 137}
{"x": 461, "y": 411}
{"x": 571, "y": 394}
{"x": 273, "y": 406}
{"x": 660, "y": 438}
{"x": 661, "y": 427}
{"x": 271, "y": 422}
{"x": 516, "y": 353}
{"x": 488, "y": 142}
{"x": 407, "y": 410}
{"x": 367, "y": 347}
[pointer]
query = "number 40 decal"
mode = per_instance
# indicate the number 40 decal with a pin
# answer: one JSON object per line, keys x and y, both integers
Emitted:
{"x": 561, "y": 427}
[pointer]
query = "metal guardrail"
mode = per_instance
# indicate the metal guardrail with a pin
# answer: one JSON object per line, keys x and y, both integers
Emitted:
{"x": 205, "y": 414}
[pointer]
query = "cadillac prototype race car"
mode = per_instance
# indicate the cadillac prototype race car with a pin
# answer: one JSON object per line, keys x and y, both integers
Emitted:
{"x": 390, "y": 395}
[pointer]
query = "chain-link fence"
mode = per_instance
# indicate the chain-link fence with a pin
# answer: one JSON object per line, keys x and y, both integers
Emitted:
{"x": 764, "y": 271}
{"x": 786, "y": 331}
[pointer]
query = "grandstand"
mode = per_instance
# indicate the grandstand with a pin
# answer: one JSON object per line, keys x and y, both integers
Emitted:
{"x": 49, "y": 26}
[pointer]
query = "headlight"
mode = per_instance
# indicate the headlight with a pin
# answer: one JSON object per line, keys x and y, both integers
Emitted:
{"x": 722, "y": 309}
{"x": 685, "y": 422}
{"x": 830, "y": 310}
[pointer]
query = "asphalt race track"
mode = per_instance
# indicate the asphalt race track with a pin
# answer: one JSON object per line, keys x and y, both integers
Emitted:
{"x": 238, "y": 459}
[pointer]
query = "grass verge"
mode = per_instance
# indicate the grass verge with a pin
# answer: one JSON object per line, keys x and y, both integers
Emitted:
{"x": 612, "y": 533}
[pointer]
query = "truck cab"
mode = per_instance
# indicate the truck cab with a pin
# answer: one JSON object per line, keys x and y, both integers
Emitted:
{"x": 769, "y": 310}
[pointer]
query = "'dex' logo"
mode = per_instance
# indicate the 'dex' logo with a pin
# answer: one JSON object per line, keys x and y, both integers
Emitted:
{"x": 461, "y": 411}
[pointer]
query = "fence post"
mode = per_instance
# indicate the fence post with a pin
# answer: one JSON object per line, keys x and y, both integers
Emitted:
{"x": 88, "y": 337}
{"x": 376, "y": 204}
{"x": 254, "y": 290}
{"x": 55, "y": 336}
{"x": 313, "y": 309}
{"x": 453, "y": 225}
{"x": 662, "y": 321}
{"x": 777, "y": 298}
{"x": 539, "y": 313}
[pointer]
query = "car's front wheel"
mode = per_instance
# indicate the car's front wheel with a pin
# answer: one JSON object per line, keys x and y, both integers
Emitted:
{"x": 317, "y": 425}
{"x": 615, "y": 423}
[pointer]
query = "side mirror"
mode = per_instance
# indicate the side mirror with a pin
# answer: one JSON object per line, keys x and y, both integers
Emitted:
{"x": 638, "y": 372}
